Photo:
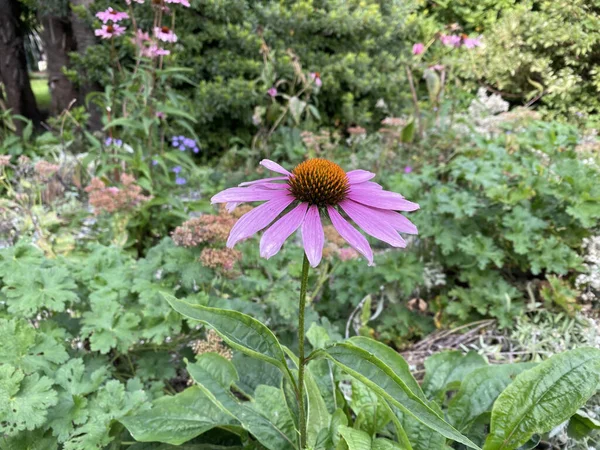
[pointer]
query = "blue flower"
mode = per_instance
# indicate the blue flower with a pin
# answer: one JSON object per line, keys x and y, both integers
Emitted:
{"x": 195, "y": 149}
{"x": 177, "y": 169}
{"x": 107, "y": 141}
{"x": 175, "y": 143}
{"x": 182, "y": 148}
{"x": 180, "y": 181}
{"x": 154, "y": 162}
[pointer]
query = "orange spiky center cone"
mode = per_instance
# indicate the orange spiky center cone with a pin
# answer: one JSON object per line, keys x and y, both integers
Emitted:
{"x": 319, "y": 182}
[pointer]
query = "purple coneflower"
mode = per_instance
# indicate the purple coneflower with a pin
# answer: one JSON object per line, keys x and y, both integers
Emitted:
{"x": 111, "y": 15}
{"x": 418, "y": 48}
{"x": 316, "y": 189}
{"x": 109, "y": 31}
{"x": 165, "y": 34}
{"x": 185, "y": 3}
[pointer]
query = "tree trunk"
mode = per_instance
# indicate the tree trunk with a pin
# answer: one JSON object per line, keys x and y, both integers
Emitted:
{"x": 13, "y": 65}
{"x": 85, "y": 38}
{"x": 58, "y": 42}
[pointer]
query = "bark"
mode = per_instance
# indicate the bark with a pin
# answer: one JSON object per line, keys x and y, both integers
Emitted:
{"x": 85, "y": 38}
{"x": 13, "y": 65}
{"x": 58, "y": 42}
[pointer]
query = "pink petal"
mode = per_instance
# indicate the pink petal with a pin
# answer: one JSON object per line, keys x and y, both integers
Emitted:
{"x": 257, "y": 219}
{"x": 350, "y": 234}
{"x": 381, "y": 199}
{"x": 230, "y": 206}
{"x": 246, "y": 195}
{"x": 272, "y": 165}
{"x": 313, "y": 237}
{"x": 359, "y": 176}
{"x": 364, "y": 218}
{"x": 396, "y": 220}
{"x": 275, "y": 236}
{"x": 263, "y": 181}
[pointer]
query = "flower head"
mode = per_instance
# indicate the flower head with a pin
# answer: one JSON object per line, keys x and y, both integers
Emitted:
{"x": 272, "y": 91}
{"x": 470, "y": 43}
{"x": 185, "y": 3}
{"x": 109, "y": 31}
{"x": 408, "y": 169}
{"x": 180, "y": 181}
{"x": 451, "y": 40}
{"x": 316, "y": 77}
{"x": 418, "y": 48}
{"x": 137, "y": 1}
{"x": 176, "y": 169}
{"x": 111, "y": 15}
{"x": 317, "y": 189}
{"x": 165, "y": 34}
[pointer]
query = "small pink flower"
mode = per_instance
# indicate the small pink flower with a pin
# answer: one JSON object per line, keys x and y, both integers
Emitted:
{"x": 272, "y": 91}
{"x": 165, "y": 34}
{"x": 408, "y": 169}
{"x": 418, "y": 48}
{"x": 315, "y": 190}
{"x": 110, "y": 15}
{"x": 438, "y": 67}
{"x": 153, "y": 51}
{"x": 109, "y": 31}
{"x": 161, "y": 115}
{"x": 451, "y": 40}
{"x": 140, "y": 37}
{"x": 472, "y": 42}
{"x": 316, "y": 77}
{"x": 185, "y": 3}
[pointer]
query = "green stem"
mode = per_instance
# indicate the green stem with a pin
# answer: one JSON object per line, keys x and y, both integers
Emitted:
{"x": 301, "y": 305}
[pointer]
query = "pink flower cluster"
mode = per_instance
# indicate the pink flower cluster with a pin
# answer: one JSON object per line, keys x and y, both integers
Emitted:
{"x": 454, "y": 40}
{"x": 148, "y": 47}
{"x": 113, "y": 199}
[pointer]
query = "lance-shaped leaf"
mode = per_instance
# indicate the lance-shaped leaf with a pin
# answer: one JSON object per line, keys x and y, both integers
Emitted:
{"x": 240, "y": 331}
{"x": 269, "y": 434}
{"x": 371, "y": 371}
{"x": 543, "y": 397}
{"x": 479, "y": 391}
{"x": 177, "y": 419}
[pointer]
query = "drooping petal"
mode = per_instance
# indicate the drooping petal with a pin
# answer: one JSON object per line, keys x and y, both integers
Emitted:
{"x": 247, "y": 195}
{"x": 364, "y": 218}
{"x": 381, "y": 199}
{"x": 275, "y": 236}
{"x": 313, "y": 236}
{"x": 263, "y": 181}
{"x": 350, "y": 234}
{"x": 272, "y": 165}
{"x": 359, "y": 176}
{"x": 395, "y": 219}
{"x": 257, "y": 219}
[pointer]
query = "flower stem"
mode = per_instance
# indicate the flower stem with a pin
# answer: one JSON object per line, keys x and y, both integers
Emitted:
{"x": 301, "y": 305}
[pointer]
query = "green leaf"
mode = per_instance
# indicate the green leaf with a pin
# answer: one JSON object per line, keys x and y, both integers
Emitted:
{"x": 240, "y": 331}
{"x": 446, "y": 370}
{"x": 318, "y": 417}
{"x": 378, "y": 376}
{"x": 479, "y": 391}
{"x": 356, "y": 439}
{"x": 24, "y": 401}
{"x": 581, "y": 425}
{"x": 371, "y": 414}
{"x": 297, "y": 107}
{"x": 170, "y": 111}
{"x": 386, "y": 444}
{"x": 260, "y": 426}
{"x": 543, "y": 397}
{"x": 419, "y": 435}
{"x": 177, "y": 419}
{"x": 390, "y": 358}
{"x": 408, "y": 132}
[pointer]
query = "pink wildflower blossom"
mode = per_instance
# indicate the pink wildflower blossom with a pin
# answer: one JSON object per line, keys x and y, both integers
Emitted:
{"x": 470, "y": 43}
{"x": 451, "y": 40}
{"x": 109, "y": 31}
{"x": 185, "y": 3}
{"x": 318, "y": 187}
{"x": 153, "y": 51}
{"x": 418, "y": 48}
{"x": 438, "y": 67}
{"x": 272, "y": 91}
{"x": 110, "y": 15}
{"x": 141, "y": 2}
{"x": 316, "y": 77}
{"x": 165, "y": 34}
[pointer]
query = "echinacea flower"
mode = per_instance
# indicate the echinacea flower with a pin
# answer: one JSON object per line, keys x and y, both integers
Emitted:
{"x": 418, "y": 48}
{"x": 272, "y": 91}
{"x": 317, "y": 189}
{"x": 451, "y": 40}
{"x": 109, "y": 31}
{"x": 470, "y": 43}
{"x": 165, "y": 34}
{"x": 185, "y": 3}
{"x": 111, "y": 15}
{"x": 316, "y": 77}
